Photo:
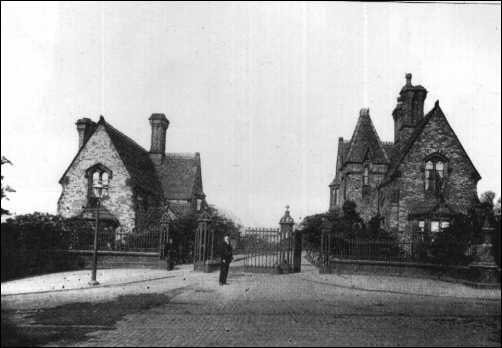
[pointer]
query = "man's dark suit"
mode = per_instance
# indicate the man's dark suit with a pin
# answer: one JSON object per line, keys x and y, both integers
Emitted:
{"x": 226, "y": 258}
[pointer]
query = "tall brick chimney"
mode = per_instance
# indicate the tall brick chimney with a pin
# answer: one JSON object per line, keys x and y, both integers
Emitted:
{"x": 409, "y": 111}
{"x": 84, "y": 128}
{"x": 159, "y": 124}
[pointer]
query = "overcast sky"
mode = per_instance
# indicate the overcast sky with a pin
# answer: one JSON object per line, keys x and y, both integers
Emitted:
{"x": 261, "y": 90}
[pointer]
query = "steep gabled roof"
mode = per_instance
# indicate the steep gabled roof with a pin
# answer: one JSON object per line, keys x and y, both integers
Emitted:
{"x": 436, "y": 110}
{"x": 364, "y": 139}
{"x": 342, "y": 150}
{"x": 135, "y": 158}
{"x": 390, "y": 150}
{"x": 180, "y": 176}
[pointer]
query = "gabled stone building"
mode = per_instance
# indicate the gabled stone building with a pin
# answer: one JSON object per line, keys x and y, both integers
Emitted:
{"x": 139, "y": 181}
{"x": 416, "y": 182}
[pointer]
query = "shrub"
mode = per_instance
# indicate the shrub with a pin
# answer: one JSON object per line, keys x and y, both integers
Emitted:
{"x": 30, "y": 243}
{"x": 450, "y": 246}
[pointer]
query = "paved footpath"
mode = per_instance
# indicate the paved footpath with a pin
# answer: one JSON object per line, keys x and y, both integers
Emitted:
{"x": 305, "y": 309}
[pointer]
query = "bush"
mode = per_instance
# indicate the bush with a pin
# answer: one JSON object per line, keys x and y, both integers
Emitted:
{"x": 450, "y": 246}
{"x": 30, "y": 243}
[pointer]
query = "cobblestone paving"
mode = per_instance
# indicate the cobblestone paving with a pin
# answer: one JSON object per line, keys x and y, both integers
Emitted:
{"x": 278, "y": 310}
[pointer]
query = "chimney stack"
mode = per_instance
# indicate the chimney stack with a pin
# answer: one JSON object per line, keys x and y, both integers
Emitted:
{"x": 84, "y": 128}
{"x": 364, "y": 112}
{"x": 408, "y": 112}
{"x": 408, "y": 79}
{"x": 159, "y": 124}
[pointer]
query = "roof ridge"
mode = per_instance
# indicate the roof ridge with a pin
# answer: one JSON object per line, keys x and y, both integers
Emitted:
{"x": 378, "y": 138}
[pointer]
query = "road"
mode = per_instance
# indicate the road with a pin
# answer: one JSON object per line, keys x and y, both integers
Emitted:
{"x": 305, "y": 309}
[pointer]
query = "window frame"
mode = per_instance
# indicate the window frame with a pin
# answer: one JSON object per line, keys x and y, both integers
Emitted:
{"x": 90, "y": 176}
{"x": 432, "y": 174}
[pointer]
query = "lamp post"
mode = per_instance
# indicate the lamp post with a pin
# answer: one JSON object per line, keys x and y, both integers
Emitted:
{"x": 99, "y": 191}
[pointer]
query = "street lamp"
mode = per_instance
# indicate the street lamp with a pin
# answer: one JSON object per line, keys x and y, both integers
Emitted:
{"x": 100, "y": 190}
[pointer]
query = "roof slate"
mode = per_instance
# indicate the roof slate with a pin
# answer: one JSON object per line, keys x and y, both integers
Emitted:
{"x": 136, "y": 160}
{"x": 364, "y": 139}
{"x": 179, "y": 174}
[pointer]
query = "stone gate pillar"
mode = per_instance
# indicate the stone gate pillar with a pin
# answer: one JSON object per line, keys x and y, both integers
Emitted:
{"x": 483, "y": 268}
{"x": 204, "y": 245}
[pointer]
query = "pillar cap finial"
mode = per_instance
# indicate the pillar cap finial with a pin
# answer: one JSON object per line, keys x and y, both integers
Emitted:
{"x": 286, "y": 218}
{"x": 408, "y": 77}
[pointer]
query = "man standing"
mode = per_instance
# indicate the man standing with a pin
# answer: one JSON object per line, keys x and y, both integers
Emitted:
{"x": 226, "y": 258}
{"x": 169, "y": 253}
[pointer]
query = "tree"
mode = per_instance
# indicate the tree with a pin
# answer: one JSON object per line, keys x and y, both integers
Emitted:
{"x": 183, "y": 231}
{"x": 5, "y": 188}
{"x": 487, "y": 198}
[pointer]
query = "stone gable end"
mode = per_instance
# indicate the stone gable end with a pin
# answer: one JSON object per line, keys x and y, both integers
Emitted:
{"x": 438, "y": 137}
{"x": 98, "y": 149}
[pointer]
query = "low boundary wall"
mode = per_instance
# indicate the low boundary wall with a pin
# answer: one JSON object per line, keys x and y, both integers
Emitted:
{"x": 118, "y": 259}
{"x": 477, "y": 275}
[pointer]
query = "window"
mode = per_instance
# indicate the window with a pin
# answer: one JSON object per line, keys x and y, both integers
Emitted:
{"x": 97, "y": 174}
{"x": 337, "y": 196}
{"x": 199, "y": 204}
{"x": 434, "y": 226}
{"x": 435, "y": 175}
{"x": 429, "y": 167}
{"x": 421, "y": 226}
{"x": 444, "y": 225}
{"x": 366, "y": 176}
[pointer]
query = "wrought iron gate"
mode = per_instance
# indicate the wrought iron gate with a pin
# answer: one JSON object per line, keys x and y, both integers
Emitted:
{"x": 276, "y": 250}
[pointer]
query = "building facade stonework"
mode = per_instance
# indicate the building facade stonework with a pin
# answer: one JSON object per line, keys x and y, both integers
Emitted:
{"x": 139, "y": 181}
{"x": 415, "y": 183}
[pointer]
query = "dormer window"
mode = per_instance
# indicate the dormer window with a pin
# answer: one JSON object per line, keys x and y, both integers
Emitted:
{"x": 435, "y": 173}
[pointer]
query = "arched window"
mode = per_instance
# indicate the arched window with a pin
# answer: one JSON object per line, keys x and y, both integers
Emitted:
{"x": 435, "y": 173}
{"x": 97, "y": 174}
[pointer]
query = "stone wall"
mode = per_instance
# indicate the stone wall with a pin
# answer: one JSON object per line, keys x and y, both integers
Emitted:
{"x": 98, "y": 149}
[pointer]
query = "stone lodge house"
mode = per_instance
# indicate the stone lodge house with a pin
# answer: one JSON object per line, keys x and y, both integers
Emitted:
{"x": 414, "y": 183}
{"x": 139, "y": 181}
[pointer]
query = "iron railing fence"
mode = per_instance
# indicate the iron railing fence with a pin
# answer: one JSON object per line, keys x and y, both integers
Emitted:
{"x": 388, "y": 250}
{"x": 149, "y": 240}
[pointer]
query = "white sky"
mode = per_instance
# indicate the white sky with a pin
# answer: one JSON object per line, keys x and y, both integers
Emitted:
{"x": 261, "y": 90}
